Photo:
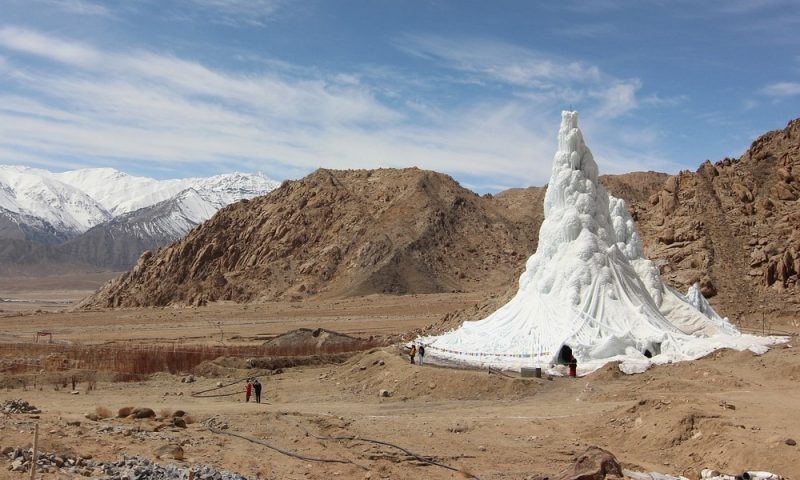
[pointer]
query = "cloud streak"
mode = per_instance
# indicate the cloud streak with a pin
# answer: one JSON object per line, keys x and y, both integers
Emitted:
{"x": 113, "y": 107}
{"x": 782, "y": 89}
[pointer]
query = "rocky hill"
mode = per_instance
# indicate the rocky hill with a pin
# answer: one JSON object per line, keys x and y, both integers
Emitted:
{"x": 734, "y": 225}
{"x": 730, "y": 225}
{"x": 342, "y": 233}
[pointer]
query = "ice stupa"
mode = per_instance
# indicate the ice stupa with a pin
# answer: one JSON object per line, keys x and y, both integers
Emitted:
{"x": 589, "y": 290}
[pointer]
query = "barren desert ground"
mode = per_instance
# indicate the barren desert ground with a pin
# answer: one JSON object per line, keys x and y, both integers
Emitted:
{"x": 730, "y": 411}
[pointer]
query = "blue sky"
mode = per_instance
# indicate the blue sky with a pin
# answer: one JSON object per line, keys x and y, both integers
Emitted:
{"x": 470, "y": 88}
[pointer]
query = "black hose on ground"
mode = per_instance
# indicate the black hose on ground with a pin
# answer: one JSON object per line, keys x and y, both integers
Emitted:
{"x": 210, "y": 426}
{"x": 427, "y": 460}
{"x": 200, "y": 393}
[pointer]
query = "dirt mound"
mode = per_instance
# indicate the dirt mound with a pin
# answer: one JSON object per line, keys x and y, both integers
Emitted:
{"x": 319, "y": 339}
{"x": 385, "y": 369}
{"x": 230, "y": 366}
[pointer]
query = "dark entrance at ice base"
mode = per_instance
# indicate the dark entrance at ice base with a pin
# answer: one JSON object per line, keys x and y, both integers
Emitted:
{"x": 564, "y": 355}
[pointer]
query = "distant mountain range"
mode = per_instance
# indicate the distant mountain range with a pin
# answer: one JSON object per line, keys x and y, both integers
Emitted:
{"x": 101, "y": 218}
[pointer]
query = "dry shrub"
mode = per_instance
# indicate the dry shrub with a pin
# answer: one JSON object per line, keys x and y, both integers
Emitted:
{"x": 135, "y": 361}
{"x": 188, "y": 419}
{"x": 124, "y": 412}
{"x": 165, "y": 412}
{"x": 179, "y": 413}
{"x": 102, "y": 412}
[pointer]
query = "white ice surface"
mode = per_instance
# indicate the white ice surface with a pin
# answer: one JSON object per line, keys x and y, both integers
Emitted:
{"x": 589, "y": 286}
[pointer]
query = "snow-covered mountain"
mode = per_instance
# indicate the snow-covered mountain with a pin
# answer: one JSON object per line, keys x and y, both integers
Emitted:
{"x": 105, "y": 217}
{"x": 38, "y": 193}
{"x": 119, "y": 192}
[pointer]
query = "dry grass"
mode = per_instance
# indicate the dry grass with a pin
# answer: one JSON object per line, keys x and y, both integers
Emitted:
{"x": 146, "y": 359}
{"x": 165, "y": 412}
{"x": 189, "y": 419}
{"x": 102, "y": 412}
{"x": 125, "y": 411}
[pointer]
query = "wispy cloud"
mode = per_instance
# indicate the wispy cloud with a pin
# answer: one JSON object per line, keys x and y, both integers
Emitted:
{"x": 234, "y": 12}
{"x": 782, "y": 89}
{"x": 79, "y": 7}
{"x": 35, "y": 43}
{"x": 586, "y": 30}
{"x": 618, "y": 99}
{"x": 156, "y": 108}
{"x": 497, "y": 60}
{"x": 537, "y": 76}
{"x": 112, "y": 107}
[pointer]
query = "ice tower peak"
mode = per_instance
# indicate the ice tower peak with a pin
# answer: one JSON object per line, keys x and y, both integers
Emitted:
{"x": 572, "y": 150}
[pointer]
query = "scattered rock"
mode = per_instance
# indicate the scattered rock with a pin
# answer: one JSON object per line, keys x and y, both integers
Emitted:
{"x": 125, "y": 468}
{"x": 790, "y": 441}
{"x": 458, "y": 428}
{"x": 18, "y": 406}
{"x": 143, "y": 413}
{"x": 169, "y": 450}
{"x": 179, "y": 422}
{"x": 593, "y": 464}
{"x": 385, "y": 393}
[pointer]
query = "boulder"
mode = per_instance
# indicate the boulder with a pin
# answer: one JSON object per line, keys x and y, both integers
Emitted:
{"x": 707, "y": 288}
{"x": 169, "y": 450}
{"x": 593, "y": 464}
{"x": 143, "y": 413}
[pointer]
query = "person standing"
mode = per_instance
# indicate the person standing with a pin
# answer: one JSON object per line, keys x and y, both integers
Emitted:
{"x": 413, "y": 352}
{"x": 248, "y": 390}
{"x": 257, "y": 390}
{"x": 573, "y": 366}
{"x": 421, "y": 353}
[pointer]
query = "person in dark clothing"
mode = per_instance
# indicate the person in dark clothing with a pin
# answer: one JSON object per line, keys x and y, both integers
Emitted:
{"x": 421, "y": 353}
{"x": 257, "y": 390}
{"x": 573, "y": 366}
{"x": 248, "y": 390}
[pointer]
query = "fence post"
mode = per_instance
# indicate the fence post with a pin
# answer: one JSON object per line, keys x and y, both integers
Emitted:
{"x": 35, "y": 448}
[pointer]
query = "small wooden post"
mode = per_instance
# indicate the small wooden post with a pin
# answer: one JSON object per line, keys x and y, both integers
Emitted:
{"x": 35, "y": 450}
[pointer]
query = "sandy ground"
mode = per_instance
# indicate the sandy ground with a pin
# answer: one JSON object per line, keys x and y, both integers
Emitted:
{"x": 730, "y": 411}
{"x": 372, "y": 315}
{"x": 50, "y": 293}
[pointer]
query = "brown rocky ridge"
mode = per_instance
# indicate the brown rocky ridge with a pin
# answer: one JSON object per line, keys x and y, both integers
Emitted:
{"x": 729, "y": 225}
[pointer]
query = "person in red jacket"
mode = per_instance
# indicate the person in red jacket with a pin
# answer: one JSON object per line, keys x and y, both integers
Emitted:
{"x": 573, "y": 366}
{"x": 248, "y": 390}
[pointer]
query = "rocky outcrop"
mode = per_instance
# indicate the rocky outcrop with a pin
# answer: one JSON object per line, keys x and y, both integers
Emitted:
{"x": 335, "y": 233}
{"x": 732, "y": 225}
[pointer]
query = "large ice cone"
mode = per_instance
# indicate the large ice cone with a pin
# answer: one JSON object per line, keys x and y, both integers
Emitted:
{"x": 588, "y": 290}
